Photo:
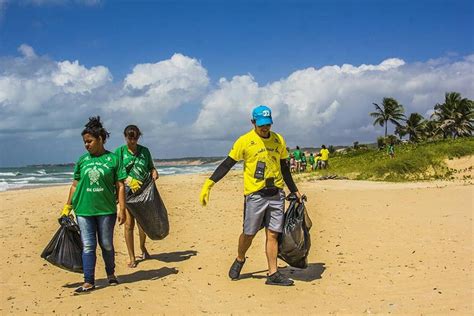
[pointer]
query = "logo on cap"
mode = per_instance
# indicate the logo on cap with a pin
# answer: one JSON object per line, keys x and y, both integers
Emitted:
{"x": 262, "y": 115}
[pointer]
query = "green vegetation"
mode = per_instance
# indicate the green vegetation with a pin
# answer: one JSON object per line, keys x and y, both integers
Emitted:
{"x": 423, "y": 161}
{"x": 451, "y": 119}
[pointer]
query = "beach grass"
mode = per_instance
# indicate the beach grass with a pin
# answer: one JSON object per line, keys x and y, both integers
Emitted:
{"x": 412, "y": 162}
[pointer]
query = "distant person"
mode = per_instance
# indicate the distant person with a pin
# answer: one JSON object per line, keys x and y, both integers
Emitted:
{"x": 318, "y": 161}
{"x": 292, "y": 163}
{"x": 297, "y": 154}
{"x": 311, "y": 161}
{"x": 139, "y": 167}
{"x": 265, "y": 173}
{"x": 98, "y": 175}
{"x": 303, "y": 162}
{"x": 391, "y": 150}
{"x": 324, "y": 157}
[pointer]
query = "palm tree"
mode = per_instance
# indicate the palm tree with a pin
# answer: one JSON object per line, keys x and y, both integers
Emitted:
{"x": 415, "y": 127}
{"x": 390, "y": 110}
{"x": 455, "y": 116}
{"x": 432, "y": 130}
{"x": 401, "y": 131}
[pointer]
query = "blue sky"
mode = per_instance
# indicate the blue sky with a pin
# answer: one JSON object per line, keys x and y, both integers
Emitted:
{"x": 229, "y": 55}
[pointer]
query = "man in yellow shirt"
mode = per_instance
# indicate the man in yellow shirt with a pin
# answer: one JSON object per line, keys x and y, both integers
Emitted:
{"x": 324, "y": 157}
{"x": 265, "y": 172}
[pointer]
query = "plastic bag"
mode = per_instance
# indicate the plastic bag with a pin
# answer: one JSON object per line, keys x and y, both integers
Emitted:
{"x": 149, "y": 210}
{"x": 65, "y": 248}
{"x": 295, "y": 241}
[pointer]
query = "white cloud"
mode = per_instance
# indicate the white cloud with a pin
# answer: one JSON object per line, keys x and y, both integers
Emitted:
{"x": 27, "y": 51}
{"x": 162, "y": 86}
{"x": 44, "y": 99}
{"x": 75, "y": 78}
{"x": 331, "y": 104}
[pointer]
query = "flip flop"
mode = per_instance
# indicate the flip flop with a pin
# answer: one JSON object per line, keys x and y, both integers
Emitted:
{"x": 132, "y": 264}
{"x": 145, "y": 256}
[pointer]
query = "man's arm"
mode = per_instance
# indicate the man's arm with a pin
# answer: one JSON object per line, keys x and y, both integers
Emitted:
{"x": 223, "y": 169}
{"x": 218, "y": 174}
{"x": 285, "y": 171}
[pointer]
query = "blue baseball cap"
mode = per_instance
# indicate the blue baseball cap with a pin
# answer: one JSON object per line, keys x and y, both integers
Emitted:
{"x": 262, "y": 115}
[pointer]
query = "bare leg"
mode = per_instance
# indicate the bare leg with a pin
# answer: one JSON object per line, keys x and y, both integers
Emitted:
{"x": 128, "y": 232}
{"x": 141, "y": 233}
{"x": 244, "y": 244}
{"x": 271, "y": 249}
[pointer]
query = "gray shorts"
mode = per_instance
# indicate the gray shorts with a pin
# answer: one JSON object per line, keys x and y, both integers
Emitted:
{"x": 264, "y": 211}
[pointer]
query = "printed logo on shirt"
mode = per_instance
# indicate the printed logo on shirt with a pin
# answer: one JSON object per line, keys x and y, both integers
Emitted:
{"x": 94, "y": 175}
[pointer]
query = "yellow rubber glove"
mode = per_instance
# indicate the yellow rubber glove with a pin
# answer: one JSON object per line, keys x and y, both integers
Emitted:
{"x": 134, "y": 184}
{"x": 205, "y": 191}
{"x": 66, "y": 210}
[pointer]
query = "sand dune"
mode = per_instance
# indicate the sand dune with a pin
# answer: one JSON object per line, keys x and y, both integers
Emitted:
{"x": 376, "y": 248}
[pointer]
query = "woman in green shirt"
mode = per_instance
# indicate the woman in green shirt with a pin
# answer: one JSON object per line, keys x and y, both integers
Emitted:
{"x": 98, "y": 175}
{"x": 139, "y": 167}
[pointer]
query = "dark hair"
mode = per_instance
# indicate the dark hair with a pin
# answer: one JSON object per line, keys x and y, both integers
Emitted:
{"x": 323, "y": 147}
{"x": 132, "y": 131}
{"x": 94, "y": 127}
{"x": 297, "y": 147}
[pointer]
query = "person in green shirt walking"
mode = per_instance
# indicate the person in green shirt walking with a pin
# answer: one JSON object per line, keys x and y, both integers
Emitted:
{"x": 311, "y": 161}
{"x": 297, "y": 155}
{"x": 98, "y": 181}
{"x": 139, "y": 167}
{"x": 303, "y": 162}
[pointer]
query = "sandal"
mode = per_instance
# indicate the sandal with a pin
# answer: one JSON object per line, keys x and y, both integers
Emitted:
{"x": 83, "y": 289}
{"x": 145, "y": 255}
{"x": 132, "y": 264}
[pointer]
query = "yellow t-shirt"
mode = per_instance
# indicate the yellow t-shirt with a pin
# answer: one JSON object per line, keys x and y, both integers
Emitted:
{"x": 252, "y": 148}
{"x": 324, "y": 154}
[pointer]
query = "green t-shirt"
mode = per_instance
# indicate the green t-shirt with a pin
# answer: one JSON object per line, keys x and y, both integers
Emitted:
{"x": 311, "y": 159}
{"x": 297, "y": 154}
{"x": 95, "y": 190}
{"x": 303, "y": 158}
{"x": 136, "y": 166}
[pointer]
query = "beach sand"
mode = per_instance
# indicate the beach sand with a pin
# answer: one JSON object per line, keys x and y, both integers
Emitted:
{"x": 376, "y": 248}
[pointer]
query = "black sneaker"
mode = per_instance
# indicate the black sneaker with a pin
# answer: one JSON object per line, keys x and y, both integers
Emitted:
{"x": 112, "y": 279}
{"x": 234, "y": 272}
{"x": 279, "y": 279}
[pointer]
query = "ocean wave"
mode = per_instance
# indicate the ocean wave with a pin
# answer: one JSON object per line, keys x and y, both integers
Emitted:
{"x": 23, "y": 179}
{"x": 45, "y": 179}
{"x": 166, "y": 172}
{"x": 9, "y": 174}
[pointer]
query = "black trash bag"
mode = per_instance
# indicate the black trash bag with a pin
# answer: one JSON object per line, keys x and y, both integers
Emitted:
{"x": 65, "y": 249}
{"x": 294, "y": 242}
{"x": 149, "y": 210}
